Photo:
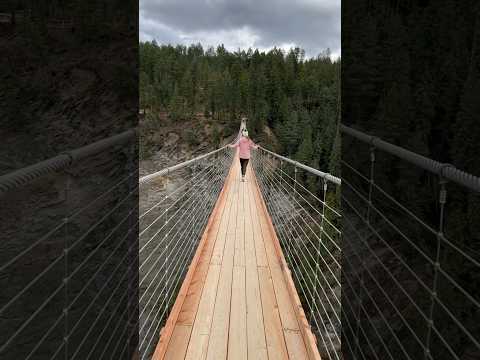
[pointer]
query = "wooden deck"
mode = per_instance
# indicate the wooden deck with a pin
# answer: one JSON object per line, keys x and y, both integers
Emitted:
{"x": 238, "y": 300}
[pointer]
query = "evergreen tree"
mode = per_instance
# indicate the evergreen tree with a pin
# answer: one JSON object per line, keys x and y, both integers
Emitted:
{"x": 295, "y": 97}
{"x": 305, "y": 151}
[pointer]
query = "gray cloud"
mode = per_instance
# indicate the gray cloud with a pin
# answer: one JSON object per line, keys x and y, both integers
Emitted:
{"x": 311, "y": 24}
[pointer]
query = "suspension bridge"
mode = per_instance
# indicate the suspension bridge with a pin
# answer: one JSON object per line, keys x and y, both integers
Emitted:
{"x": 238, "y": 298}
{"x": 213, "y": 267}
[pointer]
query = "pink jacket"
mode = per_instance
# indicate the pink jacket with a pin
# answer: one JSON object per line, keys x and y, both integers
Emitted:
{"x": 244, "y": 144}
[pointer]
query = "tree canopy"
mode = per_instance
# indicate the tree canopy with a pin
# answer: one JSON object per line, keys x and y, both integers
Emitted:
{"x": 296, "y": 97}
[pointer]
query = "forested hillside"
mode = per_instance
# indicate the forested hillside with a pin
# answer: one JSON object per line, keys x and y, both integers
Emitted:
{"x": 411, "y": 76}
{"x": 297, "y": 98}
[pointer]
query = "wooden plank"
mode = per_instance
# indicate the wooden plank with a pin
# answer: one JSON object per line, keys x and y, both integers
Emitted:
{"x": 308, "y": 337}
{"x": 293, "y": 337}
{"x": 295, "y": 344}
{"x": 273, "y": 328}
{"x": 239, "y": 259}
{"x": 218, "y": 341}
{"x": 254, "y": 226}
{"x": 166, "y": 332}
{"x": 219, "y": 248}
{"x": 190, "y": 305}
{"x": 256, "y": 343}
{"x": 241, "y": 301}
{"x": 197, "y": 347}
{"x": 199, "y": 339}
{"x": 178, "y": 343}
{"x": 291, "y": 330}
{"x": 237, "y": 339}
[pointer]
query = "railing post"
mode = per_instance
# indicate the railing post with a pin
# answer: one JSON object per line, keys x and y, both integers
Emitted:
{"x": 440, "y": 237}
{"x": 362, "y": 271}
{"x": 294, "y": 192}
{"x": 166, "y": 244}
{"x": 371, "y": 181}
{"x": 66, "y": 274}
{"x": 132, "y": 256}
{"x": 295, "y": 182}
{"x": 317, "y": 262}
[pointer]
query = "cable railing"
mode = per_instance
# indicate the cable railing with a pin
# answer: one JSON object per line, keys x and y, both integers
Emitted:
{"x": 409, "y": 255}
{"x": 175, "y": 205}
{"x": 67, "y": 264}
{"x": 303, "y": 204}
{"x": 391, "y": 276}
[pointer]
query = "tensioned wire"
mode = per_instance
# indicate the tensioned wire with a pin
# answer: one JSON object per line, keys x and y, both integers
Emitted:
{"x": 416, "y": 218}
{"x": 421, "y": 282}
{"x": 177, "y": 243}
{"x": 308, "y": 191}
{"x": 166, "y": 300}
{"x": 41, "y": 307}
{"x": 445, "y": 241}
{"x": 312, "y": 259}
{"x": 144, "y": 261}
{"x": 156, "y": 328}
{"x": 161, "y": 306}
{"x": 365, "y": 268}
{"x": 196, "y": 177}
{"x": 302, "y": 197}
{"x": 279, "y": 182}
{"x": 300, "y": 205}
{"x": 276, "y": 214}
{"x": 115, "y": 312}
{"x": 308, "y": 226}
{"x": 86, "y": 285}
{"x": 175, "y": 269}
{"x": 297, "y": 234}
{"x": 438, "y": 301}
{"x": 105, "y": 284}
{"x": 61, "y": 224}
{"x": 68, "y": 218}
{"x": 324, "y": 217}
{"x": 284, "y": 237}
{"x": 288, "y": 200}
{"x": 45, "y": 271}
{"x": 399, "y": 313}
{"x": 405, "y": 265}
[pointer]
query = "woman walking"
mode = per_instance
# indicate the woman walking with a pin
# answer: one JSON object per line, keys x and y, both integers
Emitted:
{"x": 245, "y": 144}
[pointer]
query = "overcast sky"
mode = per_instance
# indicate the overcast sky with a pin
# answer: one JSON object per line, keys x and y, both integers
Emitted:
{"x": 313, "y": 25}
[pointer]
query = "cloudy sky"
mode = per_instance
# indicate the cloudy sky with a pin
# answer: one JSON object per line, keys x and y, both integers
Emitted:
{"x": 313, "y": 25}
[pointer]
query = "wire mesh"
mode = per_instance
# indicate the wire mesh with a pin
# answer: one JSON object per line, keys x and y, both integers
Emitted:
{"x": 409, "y": 260}
{"x": 175, "y": 207}
{"x": 67, "y": 271}
{"x": 304, "y": 211}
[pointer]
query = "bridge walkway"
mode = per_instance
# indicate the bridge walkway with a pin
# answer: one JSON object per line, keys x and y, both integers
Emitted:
{"x": 238, "y": 300}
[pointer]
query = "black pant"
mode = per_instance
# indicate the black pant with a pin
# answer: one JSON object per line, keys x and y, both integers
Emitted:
{"x": 243, "y": 164}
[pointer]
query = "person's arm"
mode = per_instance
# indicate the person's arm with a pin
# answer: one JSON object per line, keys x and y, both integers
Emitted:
{"x": 234, "y": 145}
{"x": 252, "y": 144}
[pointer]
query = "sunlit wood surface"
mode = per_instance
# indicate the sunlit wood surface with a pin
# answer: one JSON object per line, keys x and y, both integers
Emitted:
{"x": 238, "y": 300}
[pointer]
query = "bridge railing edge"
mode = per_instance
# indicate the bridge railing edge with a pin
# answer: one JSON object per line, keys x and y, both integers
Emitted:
{"x": 167, "y": 330}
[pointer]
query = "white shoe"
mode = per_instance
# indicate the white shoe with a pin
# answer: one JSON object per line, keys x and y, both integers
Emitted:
{"x": 243, "y": 178}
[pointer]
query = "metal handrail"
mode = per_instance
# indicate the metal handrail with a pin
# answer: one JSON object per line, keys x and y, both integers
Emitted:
{"x": 311, "y": 170}
{"x": 147, "y": 178}
{"x": 447, "y": 171}
{"x": 60, "y": 162}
